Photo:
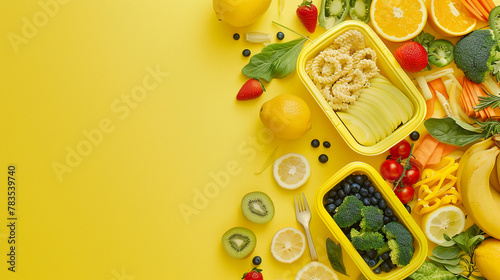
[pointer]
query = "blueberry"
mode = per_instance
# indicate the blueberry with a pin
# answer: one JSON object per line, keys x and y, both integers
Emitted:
{"x": 388, "y": 157}
{"x": 377, "y": 270}
{"x": 387, "y": 220}
{"x": 329, "y": 200}
{"x": 386, "y": 267}
{"x": 363, "y": 191}
{"x": 385, "y": 256}
{"x": 332, "y": 193}
{"x": 347, "y": 189}
{"x": 323, "y": 158}
{"x": 388, "y": 212}
{"x": 366, "y": 258}
{"x": 256, "y": 260}
{"x": 358, "y": 196}
{"x": 330, "y": 208}
{"x": 372, "y": 254}
{"x": 338, "y": 202}
{"x": 340, "y": 194}
{"x": 366, "y": 201}
{"x": 349, "y": 179}
{"x": 382, "y": 203}
{"x": 236, "y": 36}
{"x": 372, "y": 263}
{"x": 315, "y": 143}
{"x": 395, "y": 219}
{"x": 359, "y": 179}
{"x": 371, "y": 189}
{"x": 280, "y": 35}
{"x": 414, "y": 136}
{"x": 366, "y": 184}
{"x": 246, "y": 52}
{"x": 326, "y": 144}
{"x": 377, "y": 195}
{"x": 373, "y": 200}
{"x": 408, "y": 208}
{"x": 355, "y": 187}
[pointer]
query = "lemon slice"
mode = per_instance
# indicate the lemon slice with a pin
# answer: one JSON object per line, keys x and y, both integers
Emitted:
{"x": 288, "y": 245}
{"x": 398, "y": 20}
{"x": 291, "y": 170}
{"x": 316, "y": 271}
{"x": 449, "y": 220}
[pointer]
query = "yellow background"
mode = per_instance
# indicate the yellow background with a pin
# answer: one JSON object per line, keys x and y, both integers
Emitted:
{"x": 115, "y": 213}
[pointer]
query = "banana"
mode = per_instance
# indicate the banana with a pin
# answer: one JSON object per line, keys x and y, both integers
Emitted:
{"x": 483, "y": 145}
{"x": 476, "y": 191}
{"x": 494, "y": 177}
{"x": 497, "y": 186}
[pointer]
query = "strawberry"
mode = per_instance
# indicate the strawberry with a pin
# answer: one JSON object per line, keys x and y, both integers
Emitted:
{"x": 411, "y": 56}
{"x": 252, "y": 88}
{"x": 254, "y": 274}
{"x": 308, "y": 15}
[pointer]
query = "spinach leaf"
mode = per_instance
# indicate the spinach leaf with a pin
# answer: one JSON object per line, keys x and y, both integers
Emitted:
{"x": 449, "y": 131}
{"x": 334, "y": 252}
{"x": 455, "y": 261}
{"x": 276, "y": 60}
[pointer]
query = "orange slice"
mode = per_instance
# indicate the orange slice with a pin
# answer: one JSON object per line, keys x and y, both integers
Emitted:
{"x": 451, "y": 17}
{"x": 398, "y": 20}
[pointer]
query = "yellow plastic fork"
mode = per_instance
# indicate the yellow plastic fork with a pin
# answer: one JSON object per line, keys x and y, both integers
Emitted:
{"x": 303, "y": 214}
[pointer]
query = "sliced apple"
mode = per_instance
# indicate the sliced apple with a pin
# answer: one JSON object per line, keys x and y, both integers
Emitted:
{"x": 374, "y": 114}
{"x": 359, "y": 130}
{"x": 396, "y": 93}
{"x": 369, "y": 121}
{"x": 394, "y": 118}
{"x": 391, "y": 100}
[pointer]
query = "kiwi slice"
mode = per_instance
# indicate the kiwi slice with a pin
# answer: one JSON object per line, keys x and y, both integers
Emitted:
{"x": 257, "y": 207}
{"x": 239, "y": 242}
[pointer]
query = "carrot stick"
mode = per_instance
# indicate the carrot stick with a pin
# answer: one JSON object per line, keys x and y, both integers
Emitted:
{"x": 448, "y": 149}
{"x": 489, "y": 4}
{"x": 435, "y": 158}
{"x": 485, "y": 6}
{"x": 473, "y": 10}
{"x": 424, "y": 150}
{"x": 480, "y": 92}
{"x": 480, "y": 7}
{"x": 466, "y": 100}
{"x": 430, "y": 104}
{"x": 438, "y": 85}
{"x": 461, "y": 80}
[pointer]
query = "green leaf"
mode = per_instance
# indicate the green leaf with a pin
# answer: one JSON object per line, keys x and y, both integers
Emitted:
{"x": 424, "y": 39}
{"x": 448, "y": 243}
{"x": 474, "y": 241}
{"x": 455, "y": 261}
{"x": 270, "y": 159}
{"x": 276, "y": 60}
{"x": 334, "y": 252}
{"x": 454, "y": 269}
{"x": 449, "y": 131}
{"x": 477, "y": 277}
{"x": 430, "y": 271}
{"x": 446, "y": 237}
{"x": 446, "y": 253}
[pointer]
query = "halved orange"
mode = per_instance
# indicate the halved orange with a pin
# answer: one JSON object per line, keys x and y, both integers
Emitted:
{"x": 398, "y": 20}
{"x": 450, "y": 17}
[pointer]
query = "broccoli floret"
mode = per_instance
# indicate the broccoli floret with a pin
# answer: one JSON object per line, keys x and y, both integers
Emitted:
{"x": 349, "y": 212}
{"x": 400, "y": 243}
{"x": 476, "y": 54}
{"x": 373, "y": 218}
{"x": 366, "y": 240}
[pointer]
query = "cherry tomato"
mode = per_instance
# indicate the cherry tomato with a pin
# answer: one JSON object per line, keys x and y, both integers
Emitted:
{"x": 405, "y": 194}
{"x": 401, "y": 149}
{"x": 411, "y": 176}
{"x": 391, "y": 169}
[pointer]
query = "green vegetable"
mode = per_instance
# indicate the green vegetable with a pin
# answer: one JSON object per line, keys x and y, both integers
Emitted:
{"x": 431, "y": 271}
{"x": 333, "y": 12}
{"x": 476, "y": 55}
{"x": 400, "y": 242}
{"x": 425, "y": 39}
{"x": 276, "y": 60}
{"x": 349, "y": 212}
{"x": 366, "y": 240}
{"x": 440, "y": 52}
{"x": 334, "y": 252}
{"x": 494, "y": 21}
{"x": 373, "y": 218}
{"x": 360, "y": 10}
{"x": 453, "y": 131}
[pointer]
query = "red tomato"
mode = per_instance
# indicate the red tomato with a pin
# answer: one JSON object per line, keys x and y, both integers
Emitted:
{"x": 401, "y": 149}
{"x": 405, "y": 194}
{"x": 411, "y": 176}
{"x": 391, "y": 170}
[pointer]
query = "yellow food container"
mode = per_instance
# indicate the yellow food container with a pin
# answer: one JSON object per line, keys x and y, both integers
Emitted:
{"x": 389, "y": 68}
{"x": 420, "y": 241}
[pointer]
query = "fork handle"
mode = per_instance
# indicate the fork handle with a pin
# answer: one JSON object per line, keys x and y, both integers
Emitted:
{"x": 312, "y": 250}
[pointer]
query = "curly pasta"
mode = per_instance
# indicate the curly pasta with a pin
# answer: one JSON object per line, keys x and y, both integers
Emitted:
{"x": 342, "y": 69}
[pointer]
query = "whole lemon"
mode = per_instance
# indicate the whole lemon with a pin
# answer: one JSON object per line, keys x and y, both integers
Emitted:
{"x": 487, "y": 258}
{"x": 287, "y": 116}
{"x": 239, "y": 13}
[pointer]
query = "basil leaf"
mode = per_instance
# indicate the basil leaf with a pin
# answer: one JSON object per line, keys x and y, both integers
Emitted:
{"x": 454, "y": 269}
{"x": 474, "y": 241}
{"x": 446, "y": 253}
{"x": 477, "y": 277}
{"x": 448, "y": 243}
{"x": 445, "y": 262}
{"x": 446, "y": 237}
{"x": 334, "y": 252}
{"x": 276, "y": 60}
{"x": 447, "y": 130}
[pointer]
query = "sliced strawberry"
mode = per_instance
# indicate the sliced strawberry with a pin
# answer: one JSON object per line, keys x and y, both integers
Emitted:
{"x": 252, "y": 88}
{"x": 308, "y": 15}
